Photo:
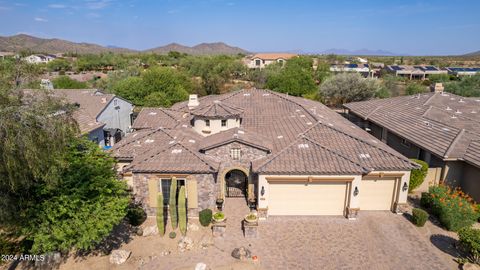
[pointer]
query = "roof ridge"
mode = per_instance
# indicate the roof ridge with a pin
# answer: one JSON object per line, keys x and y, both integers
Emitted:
{"x": 366, "y": 142}
{"x": 430, "y": 98}
{"x": 372, "y": 112}
{"x": 289, "y": 98}
{"x": 148, "y": 133}
{"x": 164, "y": 110}
{"x": 455, "y": 141}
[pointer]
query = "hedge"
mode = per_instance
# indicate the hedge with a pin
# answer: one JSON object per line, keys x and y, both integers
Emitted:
{"x": 419, "y": 217}
{"x": 417, "y": 176}
{"x": 470, "y": 240}
{"x": 205, "y": 217}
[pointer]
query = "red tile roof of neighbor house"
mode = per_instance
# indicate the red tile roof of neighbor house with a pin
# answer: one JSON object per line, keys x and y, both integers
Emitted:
{"x": 443, "y": 123}
{"x": 273, "y": 121}
{"x": 274, "y": 56}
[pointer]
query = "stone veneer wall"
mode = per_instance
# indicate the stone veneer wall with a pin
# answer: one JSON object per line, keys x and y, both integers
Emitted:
{"x": 248, "y": 153}
{"x": 207, "y": 191}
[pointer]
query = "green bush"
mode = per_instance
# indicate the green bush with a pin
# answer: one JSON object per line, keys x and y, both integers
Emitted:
{"x": 182, "y": 211}
{"x": 417, "y": 176}
{"x": 160, "y": 215}
{"x": 172, "y": 235}
{"x": 419, "y": 217}
{"x": 205, "y": 217}
{"x": 136, "y": 215}
{"x": 454, "y": 209}
{"x": 426, "y": 200}
{"x": 470, "y": 240}
{"x": 173, "y": 203}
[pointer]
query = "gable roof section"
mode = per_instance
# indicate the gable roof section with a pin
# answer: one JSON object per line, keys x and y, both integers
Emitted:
{"x": 274, "y": 56}
{"x": 249, "y": 138}
{"x": 217, "y": 109}
{"x": 157, "y": 117}
{"x": 441, "y": 123}
{"x": 174, "y": 158}
{"x": 139, "y": 142}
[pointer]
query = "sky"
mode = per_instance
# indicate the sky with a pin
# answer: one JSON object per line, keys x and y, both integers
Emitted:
{"x": 435, "y": 27}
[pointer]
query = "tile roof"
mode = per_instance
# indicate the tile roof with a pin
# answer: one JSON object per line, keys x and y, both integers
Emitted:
{"x": 156, "y": 118}
{"x": 276, "y": 121}
{"x": 273, "y": 56}
{"x": 442, "y": 123}
{"x": 217, "y": 109}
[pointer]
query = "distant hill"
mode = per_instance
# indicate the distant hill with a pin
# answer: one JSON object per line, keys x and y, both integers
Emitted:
{"x": 477, "y": 53}
{"x": 200, "y": 49}
{"x": 360, "y": 52}
{"x": 22, "y": 42}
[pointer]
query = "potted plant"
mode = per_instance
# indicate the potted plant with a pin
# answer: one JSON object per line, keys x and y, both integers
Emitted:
{"x": 218, "y": 217}
{"x": 251, "y": 218}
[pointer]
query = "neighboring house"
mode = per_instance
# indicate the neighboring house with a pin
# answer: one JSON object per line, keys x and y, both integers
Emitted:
{"x": 4, "y": 55}
{"x": 463, "y": 71}
{"x": 261, "y": 60}
{"x": 363, "y": 69}
{"x": 414, "y": 72}
{"x": 105, "y": 118}
{"x": 39, "y": 58}
{"x": 286, "y": 155}
{"x": 440, "y": 128}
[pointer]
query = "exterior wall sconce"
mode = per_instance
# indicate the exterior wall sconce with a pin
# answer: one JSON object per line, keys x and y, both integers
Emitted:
{"x": 356, "y": 191}
{"x": 405, "y": 187}
{"x": 262, "y": 191}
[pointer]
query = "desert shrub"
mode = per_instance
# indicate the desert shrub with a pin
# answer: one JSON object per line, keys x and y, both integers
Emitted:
{"x": 172, "y": 235}
{"x": 454, "y": 209}
{"x": 136, "y": 215}
{"x": 426, "y": 200}
{"x": 205, "y": 217}
{"x": 418, "y": 175}
{"x": 419, "y": 217}
{"x": 470, "y": 240}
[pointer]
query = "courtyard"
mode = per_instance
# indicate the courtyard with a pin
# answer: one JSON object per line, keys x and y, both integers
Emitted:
{"x": 376, "y": 240}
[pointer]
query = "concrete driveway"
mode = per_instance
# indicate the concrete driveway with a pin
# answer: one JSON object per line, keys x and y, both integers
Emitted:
{"x": 376, "y": 240}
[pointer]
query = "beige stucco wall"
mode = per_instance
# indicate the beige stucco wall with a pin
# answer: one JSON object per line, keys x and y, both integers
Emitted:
{"x": 452, "y": 173}
{"x": 215, "y": 126}
{"x": 471, "y": 181}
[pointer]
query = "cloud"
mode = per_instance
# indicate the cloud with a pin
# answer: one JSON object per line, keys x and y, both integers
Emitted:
{"x": 97, "y": 4}
{"x": 4, "y": 8}
{"x": 57, "y": 6}
{"x": 93, "y": 15}
{"x": 38, "y": 19}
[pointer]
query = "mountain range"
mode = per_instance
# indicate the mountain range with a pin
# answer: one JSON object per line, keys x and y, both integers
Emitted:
{"x": 24, "y": 42}
{"x": 360, "y": 52}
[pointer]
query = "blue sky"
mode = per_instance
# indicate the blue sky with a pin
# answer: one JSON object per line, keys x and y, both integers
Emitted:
{"x": 434, "y": 27}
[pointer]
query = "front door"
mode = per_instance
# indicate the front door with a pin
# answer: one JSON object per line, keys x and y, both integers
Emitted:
{"x": 235, "y": 184}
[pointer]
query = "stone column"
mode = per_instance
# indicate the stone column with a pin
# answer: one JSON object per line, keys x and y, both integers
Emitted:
{"x": 219, "y": 229}
{"x": 250, "y": 229}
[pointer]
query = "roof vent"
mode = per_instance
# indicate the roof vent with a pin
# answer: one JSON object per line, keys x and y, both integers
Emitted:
{"x": 364, "y": 156}
{"x": 193, "y": 101}
{"x": 241, "y": 132}
{"x": 474, "y": 111}
{"x": 461, "y": 100}
{"x": 246, "y": 94}
{"x": 152, "y": 113}
{"x": 184, "y": 126}
{"x": 303, "y": 145}
{"x": 104, "y": 100}
{"x": 309, "y": 123}
{"x": 176, "y": 151}
{"x": 149, "y": 141}
{"x": 279, "y": 137}
{"x": 453, "y": 117}
{"x": 458, "y": 112}
{"x": 266, "y": 94}
{"x": 171, "y": 142}
{"x": 191, "y": 141}
{"x": 216, "y": 101}
{"x": 445, "y": 129}
{"x": 448, "y": 108}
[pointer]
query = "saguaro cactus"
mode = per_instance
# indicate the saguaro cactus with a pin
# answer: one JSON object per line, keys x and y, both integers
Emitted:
{"x": 173, "y": 203}
{"x": 160, "y": 215}
{"x": 182, "y": 211}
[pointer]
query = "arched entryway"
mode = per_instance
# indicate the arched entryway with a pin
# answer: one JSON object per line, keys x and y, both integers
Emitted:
{"x": 236, "y": 183}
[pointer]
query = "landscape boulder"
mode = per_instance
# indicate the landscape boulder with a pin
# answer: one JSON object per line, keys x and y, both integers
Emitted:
{"x": 119, "y": 256}
{"x": 241, "y": 253}
{"x": 200, "y": 266}
{"x": 185, "y": 243}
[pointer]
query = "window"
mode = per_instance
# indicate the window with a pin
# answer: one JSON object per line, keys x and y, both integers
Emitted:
{"x": 115, "y": 102}
{"x": 406, "y": 143}
{"x": 165, "y": 188}
{"x": 224, "y": 123}
{"x": 235, "y": 153}
{"x": 257, "y": 62}
{"x": 207, "y": 123}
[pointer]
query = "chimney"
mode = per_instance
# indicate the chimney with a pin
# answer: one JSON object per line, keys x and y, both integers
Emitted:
{"x": 104, "y": 100}
{"x": 437, "y": 87}
{"x": 193, "y": 101}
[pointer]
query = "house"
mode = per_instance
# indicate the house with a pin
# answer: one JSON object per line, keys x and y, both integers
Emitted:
{"x": 4, "y": 55}
{"x": 261, "y": 60}
{"x": 439, "y": 128}
{"x": 463, "y": 71}
{"x": 286, "y": 155}
{"x": 39, "y": 58}
{"x": 364, "y": 69}
{"x": 104, "y": 118}
{"x": 414, "y": 72}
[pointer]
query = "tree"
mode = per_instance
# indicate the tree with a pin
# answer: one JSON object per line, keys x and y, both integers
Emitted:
{"x": 65, "y": 82}
{"x": 296, "y": 78}
{"x": 415, "y": 88}
{"x": 59, "y": 65}
{"x": 347, "y": 87}
{"x": 467, "y": 86}
{"x": 417, "y": 176}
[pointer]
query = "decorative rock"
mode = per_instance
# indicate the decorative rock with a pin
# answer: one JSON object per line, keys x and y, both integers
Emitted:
{"x": 192, "y": 227}
{"x": 51, "y": 260}
{"x": 119, "y": 256}
{"x": 200, "y": 266}
{"x": 185, "y": 243}
{"x": 165, "y": 253}
{"x": 139, "y": 231}
{"x": 241, "y": 253}
{"x": 150, "y": 230}
{"x": 206, "y": 241}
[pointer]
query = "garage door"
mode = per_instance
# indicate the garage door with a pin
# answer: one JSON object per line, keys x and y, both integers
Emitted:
{"x": 377, "y": 194}
{"x": 307, "y": 199}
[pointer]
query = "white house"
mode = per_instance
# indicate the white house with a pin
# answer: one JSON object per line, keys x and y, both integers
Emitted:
{"x": 261, "y": 60}
{"x": 39, "y": 58}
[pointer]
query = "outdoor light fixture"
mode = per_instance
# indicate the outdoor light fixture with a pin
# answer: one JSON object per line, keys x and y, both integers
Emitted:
{"x": 262, "y": 192}
{"x": 355, "y": 192}
{"x": 405, "y": 187}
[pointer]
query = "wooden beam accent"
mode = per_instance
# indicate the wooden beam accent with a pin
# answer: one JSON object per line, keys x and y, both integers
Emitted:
{"x": 171, "y": 175}
{"x": 384, "y": 174}
{"x": 309, "y": 179}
